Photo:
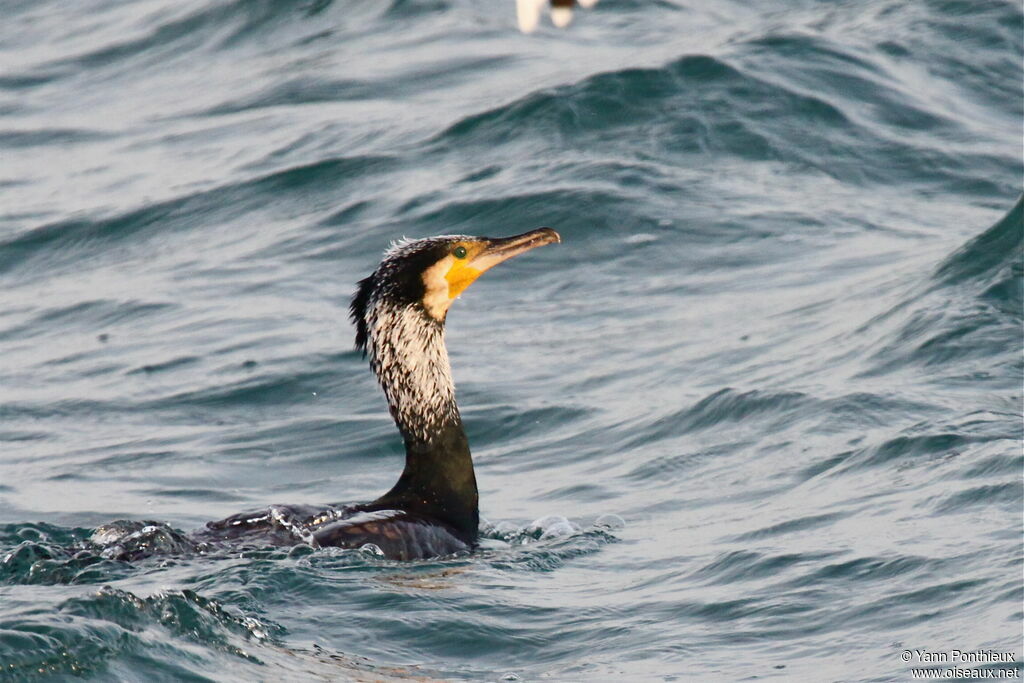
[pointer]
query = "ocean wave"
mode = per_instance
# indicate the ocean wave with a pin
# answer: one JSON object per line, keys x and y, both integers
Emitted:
{"x": 111, "y": 623}
{"x": 967, "y": 318}
{"x": 75, "y": 243}
{"x": 701, "y": 102}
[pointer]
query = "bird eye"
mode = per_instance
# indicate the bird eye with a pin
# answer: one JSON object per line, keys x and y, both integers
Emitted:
{"x": 459, "y": 252}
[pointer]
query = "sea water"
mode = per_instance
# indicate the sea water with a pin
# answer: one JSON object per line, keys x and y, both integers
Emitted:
{"x": 759, "y": 415}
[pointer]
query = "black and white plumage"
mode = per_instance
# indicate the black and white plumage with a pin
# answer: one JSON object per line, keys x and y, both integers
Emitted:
{"x": 405, "y": 344}
{"x": 399, "y": 313}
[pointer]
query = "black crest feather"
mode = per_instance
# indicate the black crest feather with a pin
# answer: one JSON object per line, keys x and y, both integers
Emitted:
{"x": 357, "y": 311}
{"x": 398, "y": 279}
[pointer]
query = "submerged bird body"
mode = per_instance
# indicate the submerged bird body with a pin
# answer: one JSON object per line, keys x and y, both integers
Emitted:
{"x": 399, "y": 313}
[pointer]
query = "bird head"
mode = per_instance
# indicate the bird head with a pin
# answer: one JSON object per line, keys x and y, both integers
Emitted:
{"x": 431, "y": 273}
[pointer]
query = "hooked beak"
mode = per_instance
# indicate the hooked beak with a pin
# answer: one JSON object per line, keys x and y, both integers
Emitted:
{"x": 504, "y": 248}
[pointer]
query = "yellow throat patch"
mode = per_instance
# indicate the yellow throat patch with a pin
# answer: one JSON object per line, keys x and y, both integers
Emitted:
{"x": 449, "y": 277}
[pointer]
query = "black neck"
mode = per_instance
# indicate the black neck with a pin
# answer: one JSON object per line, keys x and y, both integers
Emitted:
{"x": 438, "y": 481}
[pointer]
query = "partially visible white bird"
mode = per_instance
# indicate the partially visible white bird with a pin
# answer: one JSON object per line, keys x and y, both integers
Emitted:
{"x": 528, "y": 12}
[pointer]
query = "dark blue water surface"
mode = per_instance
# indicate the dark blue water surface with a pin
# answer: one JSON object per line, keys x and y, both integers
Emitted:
{"x": 759, "y": 416}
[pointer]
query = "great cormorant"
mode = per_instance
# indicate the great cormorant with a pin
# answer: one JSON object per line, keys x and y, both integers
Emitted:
{"x": 399, "y": 313}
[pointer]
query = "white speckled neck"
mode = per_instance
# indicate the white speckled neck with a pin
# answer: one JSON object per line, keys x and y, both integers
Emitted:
{"x": 408, "y": 354}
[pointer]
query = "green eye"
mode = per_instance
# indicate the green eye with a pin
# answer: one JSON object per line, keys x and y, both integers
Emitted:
{"x": 459, "y": 252}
